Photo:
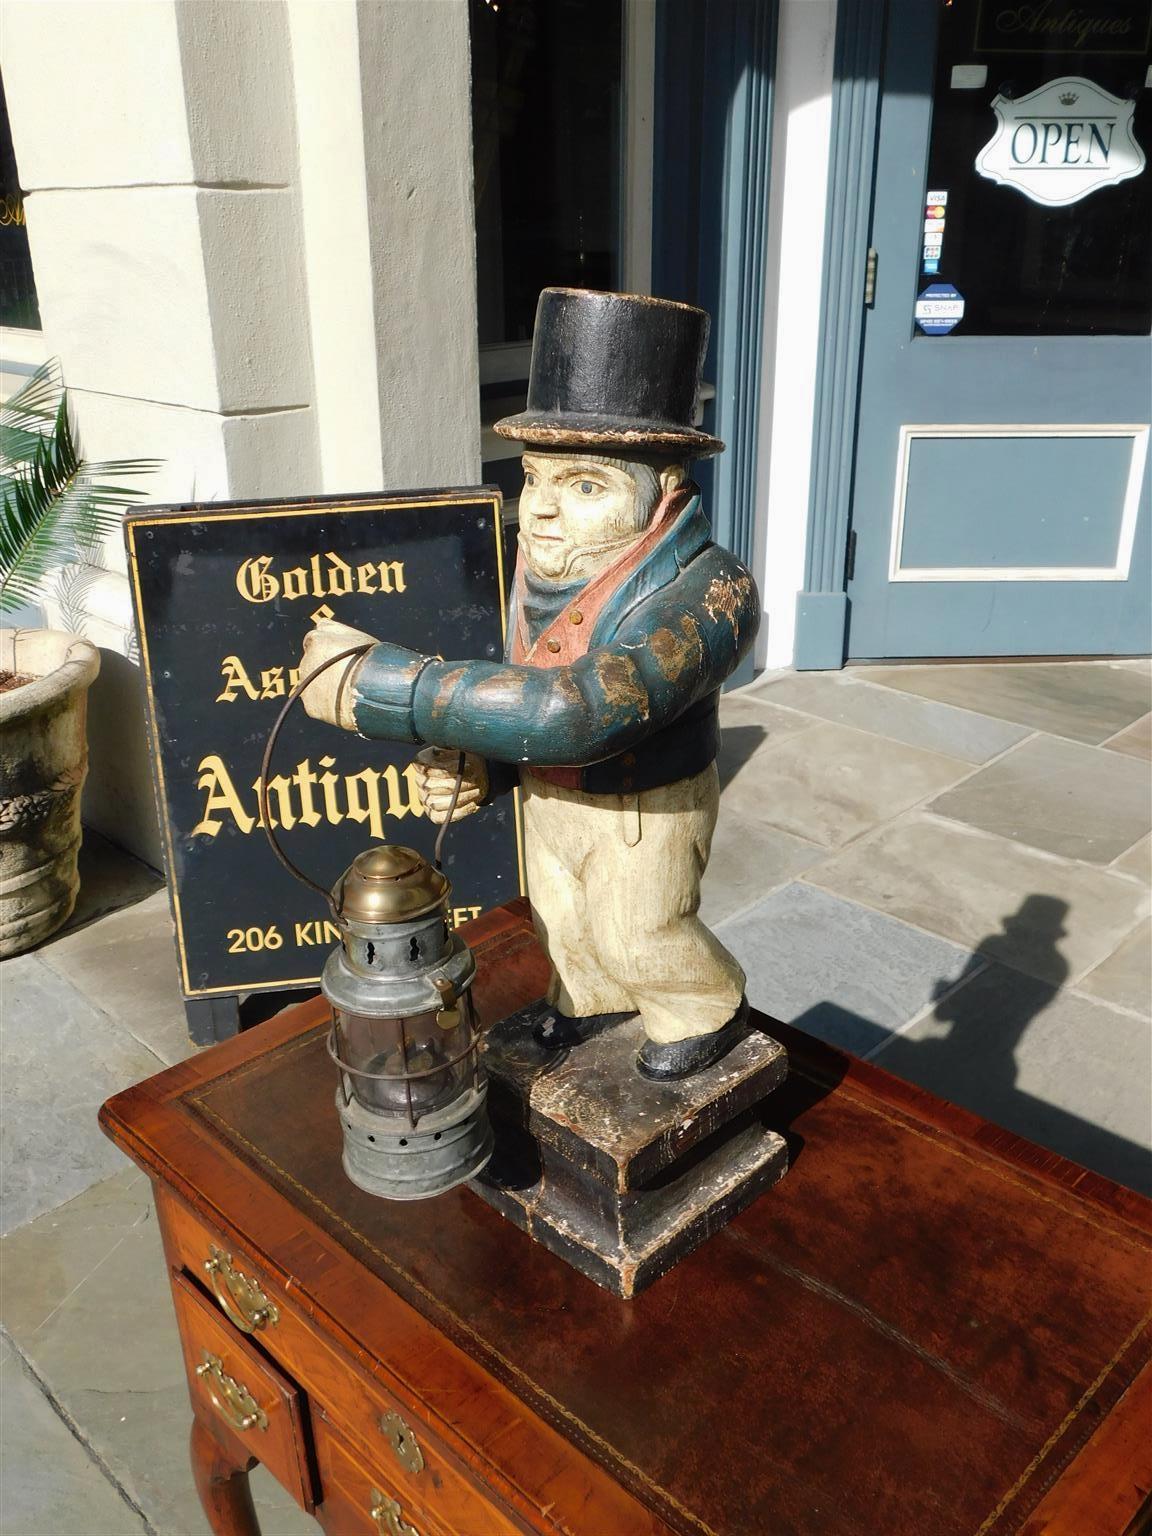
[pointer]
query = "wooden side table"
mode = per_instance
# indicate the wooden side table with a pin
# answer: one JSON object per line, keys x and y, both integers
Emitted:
{"x": 929, "y": 1328}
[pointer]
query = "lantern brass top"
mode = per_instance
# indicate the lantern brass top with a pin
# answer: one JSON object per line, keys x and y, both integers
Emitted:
{"x": 390, "y": 885}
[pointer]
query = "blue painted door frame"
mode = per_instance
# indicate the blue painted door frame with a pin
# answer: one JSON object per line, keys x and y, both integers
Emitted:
{"x": 713, "y": 115}
{"x": 1033, "y": 498}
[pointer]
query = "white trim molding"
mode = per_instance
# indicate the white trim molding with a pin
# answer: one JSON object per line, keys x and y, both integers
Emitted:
{"x": 636, "y": 132}
{"x": 21, "y": 350}
{"x": 1118, "y": 571}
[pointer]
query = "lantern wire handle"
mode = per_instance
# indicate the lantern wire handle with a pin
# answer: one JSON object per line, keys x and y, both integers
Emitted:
{"x": 443, "y": 832}
{"x": 266, "y": 763}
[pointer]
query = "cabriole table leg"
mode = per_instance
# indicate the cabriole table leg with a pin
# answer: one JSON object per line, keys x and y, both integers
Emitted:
{"x": 222, "y": 1483}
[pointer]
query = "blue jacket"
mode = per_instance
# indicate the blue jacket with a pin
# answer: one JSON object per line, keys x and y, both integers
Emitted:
{"x": 638, "y": 707}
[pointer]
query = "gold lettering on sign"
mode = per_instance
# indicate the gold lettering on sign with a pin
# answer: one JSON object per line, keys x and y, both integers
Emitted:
{"x": 371, "y": 797}
{"x": 274, "y": 683}
{"x": 321, "y": 576}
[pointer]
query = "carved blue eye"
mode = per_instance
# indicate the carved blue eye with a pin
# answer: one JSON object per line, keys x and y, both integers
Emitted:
{"x": 529, "y": 479}
{"x": 586, "y": 487}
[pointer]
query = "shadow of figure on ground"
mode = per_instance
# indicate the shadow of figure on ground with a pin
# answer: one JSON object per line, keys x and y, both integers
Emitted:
{"x": 986, "y": 1010}
{"x": 967, "y": 1052}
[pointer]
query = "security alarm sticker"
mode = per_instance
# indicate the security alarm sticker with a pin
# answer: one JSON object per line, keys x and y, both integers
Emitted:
{"x": 939, "y": 309}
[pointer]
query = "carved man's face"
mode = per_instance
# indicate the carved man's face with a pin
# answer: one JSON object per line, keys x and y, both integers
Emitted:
{"x": 578, "y": 513}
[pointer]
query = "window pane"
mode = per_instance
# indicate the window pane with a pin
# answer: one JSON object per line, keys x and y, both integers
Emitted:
{"x": 17, "y": 290}
{"x": 1071, "y": 83}
{"x": 546, "y": 131}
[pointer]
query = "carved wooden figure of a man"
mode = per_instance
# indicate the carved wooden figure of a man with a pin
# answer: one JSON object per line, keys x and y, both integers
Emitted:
{"x": 625, "y": 621}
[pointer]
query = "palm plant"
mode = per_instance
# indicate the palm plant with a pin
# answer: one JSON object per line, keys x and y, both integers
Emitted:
{"x": 56, "y": 505}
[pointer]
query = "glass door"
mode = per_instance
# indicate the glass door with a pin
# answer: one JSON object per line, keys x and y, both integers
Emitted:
{"x": 1001, "y": 491}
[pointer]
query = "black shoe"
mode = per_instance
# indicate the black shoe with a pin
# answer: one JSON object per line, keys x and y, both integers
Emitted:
{"x": 559, "y": 1031}
{"x": 684, "y": 1058}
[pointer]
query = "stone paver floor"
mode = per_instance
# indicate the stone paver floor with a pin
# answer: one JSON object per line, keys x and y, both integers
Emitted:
{"x": 942, "y": 868}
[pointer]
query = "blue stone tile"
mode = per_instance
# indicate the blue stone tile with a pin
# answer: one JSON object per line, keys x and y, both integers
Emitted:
{"x": 840, "y": 971}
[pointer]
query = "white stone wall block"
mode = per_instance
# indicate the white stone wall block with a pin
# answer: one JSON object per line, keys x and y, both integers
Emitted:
{"x": 237, "y": 83}
{"x": 95, "y": 93}
{"x": 189, "y": 444}
{"x": 254, "y": 267}
{"x": 416, "y": 86}
{"x": 273, "y": 455}
{"x": 119, "y": 800}
{"x": 337, "y": 246}
{"x": 123, "y": 298}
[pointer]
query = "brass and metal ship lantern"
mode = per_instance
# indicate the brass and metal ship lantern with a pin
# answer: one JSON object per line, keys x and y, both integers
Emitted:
{"x": 412, "y": 1090}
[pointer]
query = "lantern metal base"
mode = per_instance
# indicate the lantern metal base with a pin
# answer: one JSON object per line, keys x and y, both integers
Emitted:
{"x": 386, "y": 1157}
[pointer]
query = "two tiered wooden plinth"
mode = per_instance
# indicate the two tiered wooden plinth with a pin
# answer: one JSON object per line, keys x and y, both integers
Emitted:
{"x": 616, "y": 1174}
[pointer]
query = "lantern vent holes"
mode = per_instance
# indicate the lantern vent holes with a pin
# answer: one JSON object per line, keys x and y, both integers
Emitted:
{"x": 370, "y": 953}
{"x": 403, "y": 1140}
{"x": 414, "y": 948}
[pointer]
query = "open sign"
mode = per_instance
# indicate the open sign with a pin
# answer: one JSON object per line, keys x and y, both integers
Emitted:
{"x": 1061, "y": 142}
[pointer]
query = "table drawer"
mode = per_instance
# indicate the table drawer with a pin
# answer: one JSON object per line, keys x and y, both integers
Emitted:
{"x": 234, "y": 1387}
{"x": 374, "y": 1495}
{"x": 363, "y": 1411}
{"x": 396, "y": 1460}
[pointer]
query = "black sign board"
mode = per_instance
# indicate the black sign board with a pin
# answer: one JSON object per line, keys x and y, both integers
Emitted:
{"x": 224, "y": 595}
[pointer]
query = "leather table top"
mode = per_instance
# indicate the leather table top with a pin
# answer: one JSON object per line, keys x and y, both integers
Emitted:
{"x": 915, "y": 1332}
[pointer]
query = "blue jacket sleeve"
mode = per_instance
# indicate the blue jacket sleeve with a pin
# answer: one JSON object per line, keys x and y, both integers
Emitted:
{"x": 677, "y": 646}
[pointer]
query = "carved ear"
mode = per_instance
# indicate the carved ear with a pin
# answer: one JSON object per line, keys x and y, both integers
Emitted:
{"x": 671, "y": 476}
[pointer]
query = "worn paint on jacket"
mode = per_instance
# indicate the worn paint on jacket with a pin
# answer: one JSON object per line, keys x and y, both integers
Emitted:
{"x": 631, "y": 700}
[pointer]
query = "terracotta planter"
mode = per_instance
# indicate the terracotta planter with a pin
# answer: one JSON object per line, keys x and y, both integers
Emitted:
{"x": 43, "y": 762}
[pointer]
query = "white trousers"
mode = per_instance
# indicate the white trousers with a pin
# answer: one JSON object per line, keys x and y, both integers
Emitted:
{"x": 614, "y": 882}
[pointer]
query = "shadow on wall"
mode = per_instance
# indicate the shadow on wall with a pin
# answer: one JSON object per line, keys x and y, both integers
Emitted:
{"x": 981, "y": 1017}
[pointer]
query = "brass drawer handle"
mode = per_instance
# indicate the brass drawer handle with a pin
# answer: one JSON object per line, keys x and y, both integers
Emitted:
{"x": 402, "y": 1441}
{"x": 232, "y": 1401}
{"x": 388, "y": 1516}
{"x": 242, "y": 1300}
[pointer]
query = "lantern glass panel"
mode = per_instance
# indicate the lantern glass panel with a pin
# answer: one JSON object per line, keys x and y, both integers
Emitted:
{"x": 415, "y": 1063}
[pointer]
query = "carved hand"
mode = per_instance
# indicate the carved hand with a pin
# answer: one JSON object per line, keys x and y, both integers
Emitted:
{"x": 435, "y": 769}
{"x": 329, "y": 698}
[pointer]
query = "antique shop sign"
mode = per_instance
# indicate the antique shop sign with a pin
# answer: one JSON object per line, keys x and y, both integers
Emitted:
{"x": 1061, "y": 142}
{"x": 224, "y": 595}
{"x": 1109, "y": 27}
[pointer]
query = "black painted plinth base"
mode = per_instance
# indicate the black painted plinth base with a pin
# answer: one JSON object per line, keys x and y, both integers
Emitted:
{"x": 620, "y": 1176}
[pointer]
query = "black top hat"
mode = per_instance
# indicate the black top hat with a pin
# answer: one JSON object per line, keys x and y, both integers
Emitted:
{"x": 616, "y": 371}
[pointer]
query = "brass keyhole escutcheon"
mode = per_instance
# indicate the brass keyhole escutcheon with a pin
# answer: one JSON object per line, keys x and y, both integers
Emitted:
{"x": 389, "y": 1517}
{"x": 402, "y": 1441}
{"x": 230, "y": 1398}
{"x": 241, "y": 1299}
